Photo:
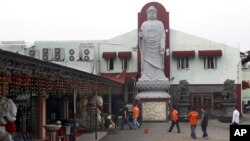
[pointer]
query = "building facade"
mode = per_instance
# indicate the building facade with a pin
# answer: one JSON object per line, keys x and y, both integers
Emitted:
{"x": 245, "y": 80}
{"x": 205, "y": 64}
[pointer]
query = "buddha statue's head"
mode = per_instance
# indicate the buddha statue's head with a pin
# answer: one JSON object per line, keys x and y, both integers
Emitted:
{"x": 151, "y": 13}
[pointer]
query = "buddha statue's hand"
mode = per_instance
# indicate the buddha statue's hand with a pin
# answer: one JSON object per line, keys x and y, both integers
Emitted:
{"x": 140, "y": 34}
{"x": 162, "y": 51}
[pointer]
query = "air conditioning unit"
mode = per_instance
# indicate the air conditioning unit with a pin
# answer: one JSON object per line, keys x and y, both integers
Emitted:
{"x": 82, "y": 45}
{"x": 73, "y": 54}
{"x": 34, "y": 54}
{"x": 90, "y": 45}
{"x": 88, "y": 54}
{"x": 59, "y": 54}
{"x": 47, "y": 54}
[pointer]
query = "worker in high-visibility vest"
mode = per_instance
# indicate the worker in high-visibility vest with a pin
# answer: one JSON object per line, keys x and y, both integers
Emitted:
{"x": 136, "y": 113}
{"x": 193, "y": 120}
{"x": 174, "y": 120}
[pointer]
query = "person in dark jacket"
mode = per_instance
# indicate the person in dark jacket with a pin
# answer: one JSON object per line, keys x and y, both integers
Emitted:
{"x": 125, "y": 118}
{"x": 204, "y": 122}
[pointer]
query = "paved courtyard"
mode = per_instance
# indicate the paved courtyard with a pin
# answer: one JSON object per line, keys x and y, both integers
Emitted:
{"x": 158, "y": 132}
{"x": 217, "y": 131}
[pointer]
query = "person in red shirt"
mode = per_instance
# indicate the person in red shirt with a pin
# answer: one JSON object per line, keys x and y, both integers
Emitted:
{"x": 193, "y": 120}
{"x": 174, "y": 120}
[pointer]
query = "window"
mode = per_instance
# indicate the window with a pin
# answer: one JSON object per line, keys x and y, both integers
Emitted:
{"x": 182, "y": 63}
{"x": 111, "y": 64}
{"x": 124, "y": 63}
{"x": 210, "y": 62}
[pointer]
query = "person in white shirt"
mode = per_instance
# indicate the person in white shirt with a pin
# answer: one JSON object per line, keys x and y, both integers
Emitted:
{"x": 236, "y": 117}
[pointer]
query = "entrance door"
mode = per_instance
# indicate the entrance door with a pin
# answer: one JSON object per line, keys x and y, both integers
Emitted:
{"x": 202, "y": 100}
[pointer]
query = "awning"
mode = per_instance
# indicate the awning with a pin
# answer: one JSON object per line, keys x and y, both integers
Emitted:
{"x": 109, "y": 55}
{"x": 119, "y": 77}
{"x": 245, "y": 60}
{"x": 190, "y": 53}
{"x": 126, "y": 54}
{"x": 245, "y": 85}
{"x": 208, "y": 53}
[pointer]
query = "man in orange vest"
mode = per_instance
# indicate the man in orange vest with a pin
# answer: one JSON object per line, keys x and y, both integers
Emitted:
{"x": 193, "y": 120}
{"x": 174, "y": 120}
{"x": 136, "y": 113}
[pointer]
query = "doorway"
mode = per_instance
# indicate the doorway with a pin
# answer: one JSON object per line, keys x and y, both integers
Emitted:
{"x": 202, "y": 100}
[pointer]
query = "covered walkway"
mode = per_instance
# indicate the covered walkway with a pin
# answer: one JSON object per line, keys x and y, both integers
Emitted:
{"x": 31, "y": 83}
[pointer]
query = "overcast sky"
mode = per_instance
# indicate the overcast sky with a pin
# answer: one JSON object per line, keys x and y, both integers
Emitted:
{"x": 222, "y": 21}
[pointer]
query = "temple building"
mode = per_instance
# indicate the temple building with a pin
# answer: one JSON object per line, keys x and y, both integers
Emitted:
{"x": 245, "y": 80}
{"x": 203, "y": 63}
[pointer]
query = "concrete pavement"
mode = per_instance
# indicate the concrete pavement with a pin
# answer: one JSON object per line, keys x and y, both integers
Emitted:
{"x": 158, "y": 132}
{"x": 91, "y": 136}
{"x": 217, "y": 131}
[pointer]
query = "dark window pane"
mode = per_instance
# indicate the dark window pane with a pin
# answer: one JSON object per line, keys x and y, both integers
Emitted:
{"x": 111, "y": 64}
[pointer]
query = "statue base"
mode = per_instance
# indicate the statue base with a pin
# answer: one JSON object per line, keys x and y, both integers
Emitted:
{"x": 152, "y": 95}
{"x": 154, "y": 110}
{"x": 147, "y": 85}
{"x": 154, "y": 98}
{"x": 154, "y": 105}
{"x": 184, "y": 109}
{"x": 227, "y": 111}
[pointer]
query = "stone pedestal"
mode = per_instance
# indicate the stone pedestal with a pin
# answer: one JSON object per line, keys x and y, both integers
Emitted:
{"x": 51, "y": 130}
{"x": 154, "y": 110}
{"x": 227, "y": 111}
{"x": 154, "y": 98}
{"x": 184, "y": 108}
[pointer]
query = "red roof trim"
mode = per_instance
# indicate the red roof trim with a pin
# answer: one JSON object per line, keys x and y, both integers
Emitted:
{"x": 190, "y": 53}
{"x": 109, "y": 55}
{"x": 120, "y": 77}
{"x": 245, "y": 85}
{"x": 126, "y": 54}
{"x": 207, "y": 53}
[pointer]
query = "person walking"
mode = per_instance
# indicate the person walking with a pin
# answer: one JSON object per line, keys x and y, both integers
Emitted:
{"x": 136, "y": 112}
{"x": 193, "y": 119}
{"x": 174, "y": 120}
{"x": 125, "y": 118}
{"x": 204, "y": 122}
{"x": 236, "y": 117}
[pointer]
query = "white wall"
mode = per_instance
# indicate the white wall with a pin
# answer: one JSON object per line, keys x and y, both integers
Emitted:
{"x": 196, "y": 74}
{"x": 228, "y": 66}
{"x": 86, "y": 66}
{"x": 246, "y": 72}
{"x": 117, "y": 62}
{"x": 14, "y": 46}
{"x": 124, "y": 42}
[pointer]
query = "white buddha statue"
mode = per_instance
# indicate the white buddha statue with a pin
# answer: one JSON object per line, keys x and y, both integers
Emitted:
{"x": 152, "y": 45}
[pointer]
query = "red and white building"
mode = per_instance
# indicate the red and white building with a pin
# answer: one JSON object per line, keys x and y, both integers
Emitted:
{"x": 205, "y": 64}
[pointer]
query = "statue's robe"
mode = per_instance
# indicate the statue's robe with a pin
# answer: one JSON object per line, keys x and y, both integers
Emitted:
{"x": 153, "y": 41}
